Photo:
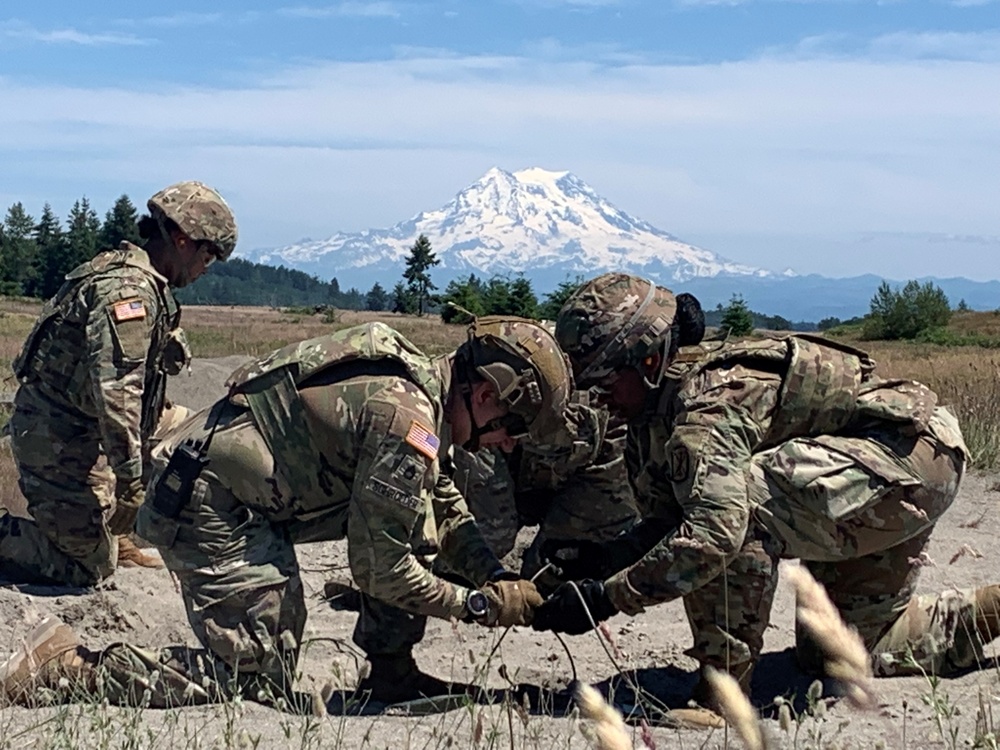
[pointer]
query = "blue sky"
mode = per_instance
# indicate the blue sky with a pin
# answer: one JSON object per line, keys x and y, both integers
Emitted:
{"x": 829, "y": 136}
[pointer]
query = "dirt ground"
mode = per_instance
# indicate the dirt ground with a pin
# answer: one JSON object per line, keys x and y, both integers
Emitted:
{"x": 143, "y": 607}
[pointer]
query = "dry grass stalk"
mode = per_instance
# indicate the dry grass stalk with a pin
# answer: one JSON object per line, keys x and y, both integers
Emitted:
{"x": 735, "y": 706}
{"x": 608, "y": 725}
{"x": 964, "y": 550}
{"x": 847, "y": 659}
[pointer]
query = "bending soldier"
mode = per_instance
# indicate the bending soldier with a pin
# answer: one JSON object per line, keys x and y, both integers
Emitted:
{"x": 753, "y": 452}
{"x": 577, "y": 489}
{"x": 92, "y": 379}
{"x": 332, "y": 438}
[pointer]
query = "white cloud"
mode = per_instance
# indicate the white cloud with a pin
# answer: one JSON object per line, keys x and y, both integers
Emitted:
{"x": 981, "y": 46}
{"x": 348, "y": 9}
{"x": 570, "y": 3}
{"x": 984, "y": 46}
{"x": 18, "y": 30}
{"x": 800, "y": 145}
{"x": 181, "y": 20}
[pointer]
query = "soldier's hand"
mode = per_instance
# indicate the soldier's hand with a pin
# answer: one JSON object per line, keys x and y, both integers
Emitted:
{"x": 574, "y": 608}
{"x": 576, "y": 559}
{"x": 510, "y": 602}
{"x": 130, "y": 498}
{"x": 176, "y": 352}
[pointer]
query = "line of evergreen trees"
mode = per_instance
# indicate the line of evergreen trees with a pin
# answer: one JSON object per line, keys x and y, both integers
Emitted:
{"x": 36, "y": 255}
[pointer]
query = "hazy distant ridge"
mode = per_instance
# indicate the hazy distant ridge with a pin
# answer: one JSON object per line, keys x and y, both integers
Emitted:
{"x": 552, "y": 226}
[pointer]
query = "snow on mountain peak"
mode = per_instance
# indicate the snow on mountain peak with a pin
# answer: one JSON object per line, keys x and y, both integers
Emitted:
{"x": 522, "y": 222}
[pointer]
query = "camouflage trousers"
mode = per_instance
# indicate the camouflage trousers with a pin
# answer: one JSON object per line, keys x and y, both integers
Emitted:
{"x": 242, "y": 590}
{"x": 858, "y": 512}
{"x": 70, "y": 491}
{"x": 69, "y": 488}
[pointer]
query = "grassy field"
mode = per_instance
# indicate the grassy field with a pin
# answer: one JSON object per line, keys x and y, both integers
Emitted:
{"x": 965, "y": 377}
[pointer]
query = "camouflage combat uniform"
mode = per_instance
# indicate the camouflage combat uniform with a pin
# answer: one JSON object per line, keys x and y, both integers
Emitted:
{"x": 578, "y": 490}
{"x": 792, "y": 448}
{"x": 333, "y": 438}
{"x": 92, "y": 380}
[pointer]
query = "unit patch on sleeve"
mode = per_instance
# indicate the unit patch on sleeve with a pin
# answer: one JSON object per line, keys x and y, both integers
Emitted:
{"x": 423, "y": 439}
{"x": 129, "y": 309}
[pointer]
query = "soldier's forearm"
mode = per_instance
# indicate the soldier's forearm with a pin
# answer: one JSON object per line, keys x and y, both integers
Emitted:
{"x": 630, "y": 547}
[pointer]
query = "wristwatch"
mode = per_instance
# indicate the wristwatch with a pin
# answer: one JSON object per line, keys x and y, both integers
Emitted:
{"x": 477, "y": 605}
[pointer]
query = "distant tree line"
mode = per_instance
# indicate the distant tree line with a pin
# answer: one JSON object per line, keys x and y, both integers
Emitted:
{"x": 472, "y": 295}
{"x": 36, "y": 254}
{"x": 739, "y": 320}
{"x": 241, "y": 282}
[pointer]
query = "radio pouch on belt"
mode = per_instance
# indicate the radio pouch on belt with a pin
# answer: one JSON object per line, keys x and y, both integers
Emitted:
{"x": 176, "y": 483}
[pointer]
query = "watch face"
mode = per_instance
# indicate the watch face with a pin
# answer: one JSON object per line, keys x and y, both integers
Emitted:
{"x": 477, "y": 604}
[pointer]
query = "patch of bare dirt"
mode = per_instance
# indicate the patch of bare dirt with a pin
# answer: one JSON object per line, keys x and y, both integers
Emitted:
{"x": 142, "y": 606}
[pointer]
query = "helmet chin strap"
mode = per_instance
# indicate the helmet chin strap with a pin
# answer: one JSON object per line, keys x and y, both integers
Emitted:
{"x": 477, "y": 431}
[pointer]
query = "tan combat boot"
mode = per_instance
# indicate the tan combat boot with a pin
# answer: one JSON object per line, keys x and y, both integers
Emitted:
{"x": 131, "y": 556}
{"x": 50, "y": 657}
{"x": 988, "y": 612}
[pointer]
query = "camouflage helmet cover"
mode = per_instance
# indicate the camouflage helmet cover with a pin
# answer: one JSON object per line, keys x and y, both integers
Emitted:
{"x": 612, "y": 322}
{"x": 199, "y": 211}
{"x": 523, "y": 362}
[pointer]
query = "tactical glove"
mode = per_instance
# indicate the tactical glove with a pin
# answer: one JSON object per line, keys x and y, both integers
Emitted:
{"x": 129, "y": 500}
{"x": 574, "y": 608}
{"x": 576, "y": 559}
{"x": 510, "y": 603}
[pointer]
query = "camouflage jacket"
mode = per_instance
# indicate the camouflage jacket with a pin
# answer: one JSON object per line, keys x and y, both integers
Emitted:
{"x": 353, "y": 424}
{"x": 689, "y": 456}
{"x": 563, "y": 488}
{"x": 97, "y": 350}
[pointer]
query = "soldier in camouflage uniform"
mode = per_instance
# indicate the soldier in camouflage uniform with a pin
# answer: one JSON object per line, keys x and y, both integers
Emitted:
{"x": 752, "y": 452}
{"x": 92, "y": 380}
{"x": 332, "y": 438}
{"x": 575, "y": 490}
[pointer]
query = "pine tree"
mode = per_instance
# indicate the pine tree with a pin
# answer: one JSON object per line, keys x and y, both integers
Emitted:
{"x": 418, "y": 279}
{"x": 18, "y": 253}
{"x": 52, "y": 260}
{"x": 521, "y": 299}
{"x": 736, "y": 318}
{"x": 467, "y": 295}
{"x": 120, "y": 223}
{"x": 403, "y": 299}
{"x": 83, "y": 233}
{"x": 377, "y": 298}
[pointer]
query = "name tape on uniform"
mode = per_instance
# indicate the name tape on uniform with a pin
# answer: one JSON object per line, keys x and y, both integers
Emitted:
{"x": 386, "y": 490}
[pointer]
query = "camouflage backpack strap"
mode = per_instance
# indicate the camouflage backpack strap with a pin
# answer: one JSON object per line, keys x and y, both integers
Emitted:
{"x": 820, "y": 389}
{"x": 270, "y": 386}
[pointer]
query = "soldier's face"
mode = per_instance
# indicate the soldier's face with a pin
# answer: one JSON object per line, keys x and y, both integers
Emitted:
{"x": 193, "y": 259}
{"x": 485, "y": 408}
{"x": 624, "y": 393}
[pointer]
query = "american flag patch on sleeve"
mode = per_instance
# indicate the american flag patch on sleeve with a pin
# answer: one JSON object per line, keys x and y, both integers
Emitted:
{"x": 423, "y": 440}
{"x": 129, "y": 309}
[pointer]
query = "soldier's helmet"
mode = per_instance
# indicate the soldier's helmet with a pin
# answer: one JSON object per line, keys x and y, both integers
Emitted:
{"x": 613, "y": 322}
{"x": 531, "y": 375}
{"x": 200, "y": 212}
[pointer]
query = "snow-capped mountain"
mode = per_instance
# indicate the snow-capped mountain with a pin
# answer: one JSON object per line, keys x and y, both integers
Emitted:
{"x": 537, "y": 222}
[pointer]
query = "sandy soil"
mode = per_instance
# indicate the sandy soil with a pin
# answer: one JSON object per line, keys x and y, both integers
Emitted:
{"x": 142, "y": 606}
